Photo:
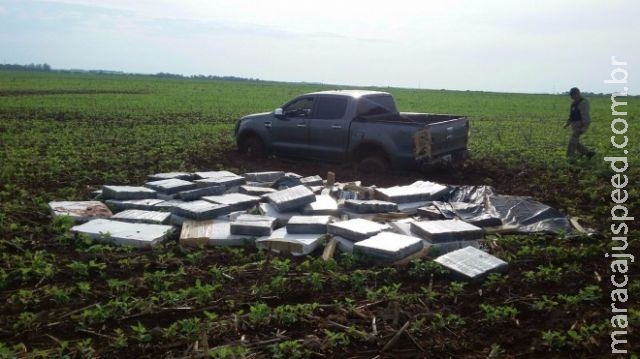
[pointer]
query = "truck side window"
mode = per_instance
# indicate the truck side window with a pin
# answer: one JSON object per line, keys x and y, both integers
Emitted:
{"x": 330, "y": 108}
{"x": 299, "y": 108}
{"x": 376, "y": 105}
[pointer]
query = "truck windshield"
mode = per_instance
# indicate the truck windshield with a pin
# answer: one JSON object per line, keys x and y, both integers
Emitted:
{"x": 376, "y": 105}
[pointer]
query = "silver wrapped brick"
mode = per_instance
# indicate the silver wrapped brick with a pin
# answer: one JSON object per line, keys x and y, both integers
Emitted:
{"x": 170, "y": 186}
{"x": 356, "y": 229}
{"x": 388, "y": 246}
{"x": 291, "y": 198}
{"x": 308, "y": 224}
{"x": 142, "y": 216}
{"x": 123, "y": 233}
{"x": 127, "y": 192}
{"x": 225, "y": 178}
{"x": 448, "y": 230}
{"x": 416, "y": 192}
{"x": 472, "y": 263}
{"x": 253, "y": 225}
{"x": 200, "y": 209}
{"x": 237, "y": 201}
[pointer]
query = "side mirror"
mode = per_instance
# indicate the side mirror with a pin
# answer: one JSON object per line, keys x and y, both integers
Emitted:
{"x": 278, "y": 113}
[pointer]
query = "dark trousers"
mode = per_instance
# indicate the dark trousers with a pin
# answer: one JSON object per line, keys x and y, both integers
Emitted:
{"x": 574, "y": 142}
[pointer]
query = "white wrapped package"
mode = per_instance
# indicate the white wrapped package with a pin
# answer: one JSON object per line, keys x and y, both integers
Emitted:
{"x": 280, "y": 241}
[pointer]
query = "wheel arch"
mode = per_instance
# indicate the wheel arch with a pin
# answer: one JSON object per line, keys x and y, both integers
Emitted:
{"x": 367, "y": 149}
{"x": 242, "y": 136}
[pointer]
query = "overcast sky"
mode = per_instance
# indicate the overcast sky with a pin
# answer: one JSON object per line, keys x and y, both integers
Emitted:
{"x": 508, "y": 46}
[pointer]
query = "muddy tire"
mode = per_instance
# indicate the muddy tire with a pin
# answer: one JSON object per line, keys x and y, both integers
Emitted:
{"x": 374, "y": 164}
{"x": 458, "y": 159}
{"x": 460, "y": 156}
{"x": 252, "y": 146}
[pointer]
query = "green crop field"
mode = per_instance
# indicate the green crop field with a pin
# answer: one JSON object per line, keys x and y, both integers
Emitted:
{"x": 63, "y": 135}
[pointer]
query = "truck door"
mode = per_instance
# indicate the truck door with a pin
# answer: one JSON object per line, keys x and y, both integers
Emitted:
{"x": 290, "y": 132}
{"x": 329, "y": 129}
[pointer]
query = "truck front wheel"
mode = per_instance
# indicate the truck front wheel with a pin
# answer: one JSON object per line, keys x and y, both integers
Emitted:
{"x": 374, "y": 164}
{"x": 252, "y": 146}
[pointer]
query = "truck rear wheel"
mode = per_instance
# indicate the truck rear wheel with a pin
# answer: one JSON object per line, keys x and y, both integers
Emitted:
{"x": 459, "y": 158}
{"x": 252, "y": 146}
{"x": 374, "y": 164}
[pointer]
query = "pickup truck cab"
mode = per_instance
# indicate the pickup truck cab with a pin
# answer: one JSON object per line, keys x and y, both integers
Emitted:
{"x": 354, "y": 126}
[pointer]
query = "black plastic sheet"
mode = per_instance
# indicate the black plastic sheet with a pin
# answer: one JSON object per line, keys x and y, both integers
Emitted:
{"x": 481, "y": 206}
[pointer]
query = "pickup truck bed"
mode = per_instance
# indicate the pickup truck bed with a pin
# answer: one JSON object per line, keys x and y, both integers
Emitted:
{"x": 425, "y": 146}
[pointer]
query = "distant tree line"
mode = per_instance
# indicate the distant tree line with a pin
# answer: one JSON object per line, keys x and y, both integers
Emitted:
{"x": 30, "y": 67}
{"x": 47, "y": 67}
{"x": 206, "y": 77}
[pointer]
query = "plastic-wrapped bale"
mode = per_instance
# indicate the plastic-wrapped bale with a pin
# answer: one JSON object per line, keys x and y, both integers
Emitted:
{"x": 267, "y": 209}
{"x": 430, "y": 212}
{"x": 312, "y": 181}
{"x": 168, "y": 206}
{"x": 169, "y": 175}
{"x": 127, "y": 192}
{"x": 231, "y": 216}
{"x": 142, "y": 216}
{"x": 255, "y": 190}
{"x": 222, "y": 236}
{"x": 323, "y": 204}
{"x": 308, "y": 224}
{"x": 80, "y": 211}
{"x": 372, "y": 206}
{"x": 170, "y": 186}
{"x": 171, "y": 206}
{"x": 344, "y": 195}
{"x": 123, "y": 233}
{"x": 448, "y": 230}
{"x": 287, "y": 181}
{"x": 416, "y": 192}
{"x": 356, "y": 229}
{"x": 225, "y": 178}
{"x": 254, "y": 225}
{"x": 194, "y": 194}
{"x": 388, "y": 246}
{"x": 264, "y": 177}
{"x": 201, "y": 209}
{"x": 446, "y": 247}
{"x": 471, "y": 263}
{"x": 403, "y": 226}
{"x": 291, "y": 198}
{"x": 280, "y": 241}
{"x": 237, "y": 201}
{"x": 363, "y": 192}
{"x": 143, "y": 204}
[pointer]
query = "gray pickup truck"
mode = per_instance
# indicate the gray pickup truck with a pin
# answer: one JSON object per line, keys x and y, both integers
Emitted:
{"x": 357, "y": 126}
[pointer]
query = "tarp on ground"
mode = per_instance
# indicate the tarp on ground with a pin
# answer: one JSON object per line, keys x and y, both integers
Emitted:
{"x": 481, "y": 206}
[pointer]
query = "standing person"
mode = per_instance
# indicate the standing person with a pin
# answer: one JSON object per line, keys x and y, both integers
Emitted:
{"x": 579, "y": 121}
